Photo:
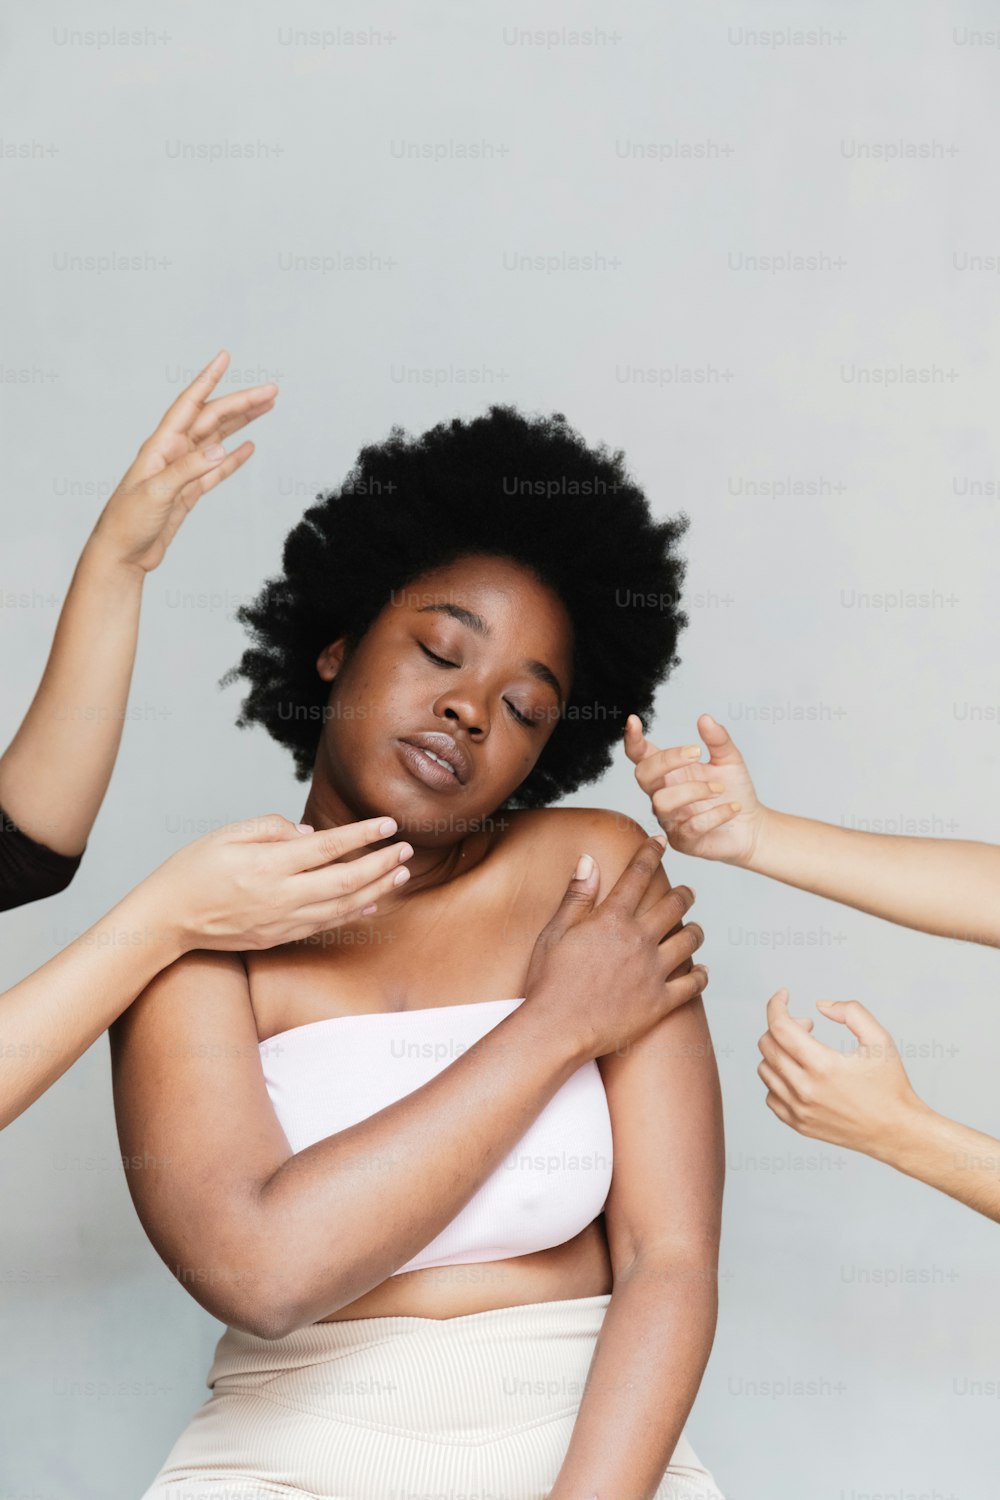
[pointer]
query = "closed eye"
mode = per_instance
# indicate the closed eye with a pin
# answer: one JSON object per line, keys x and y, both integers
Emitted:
{"x": 436, "y": 658}
{"x": 528, "y": 723}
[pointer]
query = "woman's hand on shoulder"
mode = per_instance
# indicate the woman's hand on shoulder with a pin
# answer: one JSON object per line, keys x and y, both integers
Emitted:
{"x": 614, "y": 968}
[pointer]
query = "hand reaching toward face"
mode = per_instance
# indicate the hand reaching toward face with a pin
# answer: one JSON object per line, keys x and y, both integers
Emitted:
{"x": 706, "y": 808}
{"x": 264, "y": 881}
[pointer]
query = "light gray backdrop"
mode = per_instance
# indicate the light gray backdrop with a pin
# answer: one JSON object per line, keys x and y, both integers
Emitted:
{"x": 208, "y": 181}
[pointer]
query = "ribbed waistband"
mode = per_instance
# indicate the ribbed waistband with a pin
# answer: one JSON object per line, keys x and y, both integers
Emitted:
{"x": 569, "y": 1318}
{"x": 462, "y": 1379}
{"x": 400, "y": 1408}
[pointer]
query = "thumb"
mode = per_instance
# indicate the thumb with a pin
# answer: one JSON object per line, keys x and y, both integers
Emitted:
{"x": 637, "y": 747}
{"x": 721, "y": 750}
{"x": 579, "y": 897}
{"x": 853, "y": 1015}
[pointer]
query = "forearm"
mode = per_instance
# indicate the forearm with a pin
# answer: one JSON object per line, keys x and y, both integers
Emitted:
{"x": 650, "y": 1357}
{"x": 943, "y": 886}
{"x": 50, "y": 1018}
{"x": 953, "y": 1158}
{"x": 55, "y": 772}
{"x": 343, "y": 1215}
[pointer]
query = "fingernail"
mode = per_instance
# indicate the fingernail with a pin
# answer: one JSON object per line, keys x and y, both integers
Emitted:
{"x": 305, "y": 828}
{"x": 584, "y": 865}
{"x": 661, "y": 839}
{"x": 716, "y": 786}
{"x": 692, "y": 750}
{"x": 214, "y": 451}
{"x": 389, "y": 826}
{"x": 366, "y": 911}
{"x": 400, "y": 876}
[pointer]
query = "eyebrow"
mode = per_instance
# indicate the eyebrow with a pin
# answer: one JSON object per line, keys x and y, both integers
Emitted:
{"x": 478, "y": 624}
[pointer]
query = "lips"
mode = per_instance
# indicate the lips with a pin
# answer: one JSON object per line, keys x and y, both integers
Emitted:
{"x": 446, "y": 749}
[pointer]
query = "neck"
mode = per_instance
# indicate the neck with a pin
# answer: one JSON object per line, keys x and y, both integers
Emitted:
{"x": 427, "y": 866}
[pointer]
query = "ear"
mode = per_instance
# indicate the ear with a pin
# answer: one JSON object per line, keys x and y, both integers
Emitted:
{"x": 330, "y": 659}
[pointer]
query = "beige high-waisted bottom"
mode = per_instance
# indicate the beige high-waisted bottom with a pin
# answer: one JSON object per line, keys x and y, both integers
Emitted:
{"x": 479, "y": 1407}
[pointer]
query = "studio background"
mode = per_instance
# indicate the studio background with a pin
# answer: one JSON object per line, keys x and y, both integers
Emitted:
{"x": 401, "y": 215}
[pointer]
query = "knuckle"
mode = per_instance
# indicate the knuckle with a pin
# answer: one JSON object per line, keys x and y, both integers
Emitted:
{"x": 681, "y": 898}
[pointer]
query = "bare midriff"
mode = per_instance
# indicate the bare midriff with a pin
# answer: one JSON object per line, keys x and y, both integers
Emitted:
{"x": 579, "y": 1268}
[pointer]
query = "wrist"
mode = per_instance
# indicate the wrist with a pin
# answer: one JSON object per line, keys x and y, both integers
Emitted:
{"x": 105, "y": 560}
{"x": 542, "y": 1026}
{"x": 902, "y": 1138}
{"x": 152, "y": 910}
{"x": 762, "y": 831}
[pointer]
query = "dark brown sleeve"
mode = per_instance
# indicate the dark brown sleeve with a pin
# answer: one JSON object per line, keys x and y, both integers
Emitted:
{"x": 30, "y": 871}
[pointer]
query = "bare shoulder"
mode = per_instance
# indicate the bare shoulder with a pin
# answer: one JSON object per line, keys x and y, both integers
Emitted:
{"x": 196, "y": 983}
{"x": 557, "y": 836}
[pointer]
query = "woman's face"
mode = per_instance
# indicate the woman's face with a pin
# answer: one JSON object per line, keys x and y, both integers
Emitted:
{"x": 493, "y": 696}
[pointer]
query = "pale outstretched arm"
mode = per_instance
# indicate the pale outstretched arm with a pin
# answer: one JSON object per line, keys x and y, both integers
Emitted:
{"x": 56, "y": 770}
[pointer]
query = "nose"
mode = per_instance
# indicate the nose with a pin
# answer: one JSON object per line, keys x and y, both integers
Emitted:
{"x": 473, "y": 720}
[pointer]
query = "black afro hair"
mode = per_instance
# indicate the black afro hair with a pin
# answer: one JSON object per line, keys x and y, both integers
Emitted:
{"x": 522, "y": 487}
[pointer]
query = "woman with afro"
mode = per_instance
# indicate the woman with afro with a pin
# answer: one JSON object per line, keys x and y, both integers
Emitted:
{"x": 451, "y": 1171}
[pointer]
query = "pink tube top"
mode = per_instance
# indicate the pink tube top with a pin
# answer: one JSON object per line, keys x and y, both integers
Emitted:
{"x": 327, "y": 1075}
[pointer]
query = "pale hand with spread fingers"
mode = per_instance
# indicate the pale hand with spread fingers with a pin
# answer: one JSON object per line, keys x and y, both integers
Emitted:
{"x": 267, "y": 881}
{"x": 176, "y": 465}
{"x": 706, "y": 808}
